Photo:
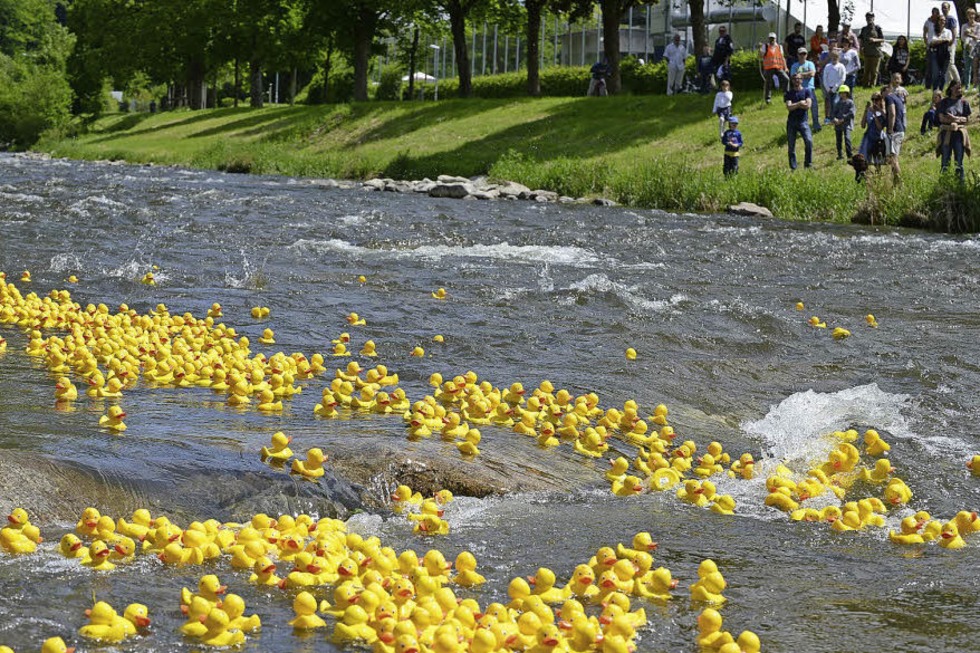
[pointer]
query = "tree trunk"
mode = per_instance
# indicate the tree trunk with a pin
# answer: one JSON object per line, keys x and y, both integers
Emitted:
{"x": 292, "y": 86}
{"x": 833, "y": 16}
{"x": 697, "y": 26}
{"x": 238, "y": 80}
{"x": 327, "y": 64}
{"x": 195, "y": 84}
{"x": 411, "y": 64}
{"x": 364, "y": 28}
{"x": 255, "y": 81}
{"x": 612, "y": 12}
{"x": 961, "y": 7}
{"x": 457, "y": 24}
{"x": 533, "y": 46}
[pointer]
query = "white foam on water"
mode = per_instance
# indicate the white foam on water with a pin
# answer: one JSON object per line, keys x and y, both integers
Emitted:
{"x": 558, "y": 255}
{"x": 64, "y": 262}
{"x": 100, "y": 200}
{"x": 21, "y": 197}
{"x": 353, "y": 220}
{"x": 600, "y": 283}
{"x": 795, "y": 430}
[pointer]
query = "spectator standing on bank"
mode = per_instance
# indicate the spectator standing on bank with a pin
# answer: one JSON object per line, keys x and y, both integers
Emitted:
{"x": 939, "y": 54}
{"x": 732, "y": 139}
{"x": 676, "y": 55}
{"x": 818, "y": 40}
{"x": 797, "y": 105}
{"x": 871, "y": 39}
{"x": 597, "y": 80}
{"x": 970, "y": 34}
{"x": 773, "y": 65}
{"x": 899, "y": 61}
{"x": 929, "y": 32}
{"x": 849, "y": 57}
{"x": 843, "y": 120}
{"x": 847, "y": 35}
{"x": 723, "y": 105}
{"x": 954, "y": 141}
{"x": 952, "y": 74}
{"x": 793, "y": 42}
{"x": 895, "y": 122}
{"x": 724, "y": 49}
{"x": 833, "y": 78}
{"x": 872, "y": 146}
{"x": 895, "y": 84}
{"x": 705, "y": 70}
{"x": 808, "y": 73}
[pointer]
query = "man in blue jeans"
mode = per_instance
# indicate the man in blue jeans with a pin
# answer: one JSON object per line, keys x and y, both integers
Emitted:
{"x": 807, "y": 70}
{"x": 798, "y": 104}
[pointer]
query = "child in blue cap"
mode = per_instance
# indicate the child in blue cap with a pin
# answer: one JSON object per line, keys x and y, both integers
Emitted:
{"x": 732, "y": 140}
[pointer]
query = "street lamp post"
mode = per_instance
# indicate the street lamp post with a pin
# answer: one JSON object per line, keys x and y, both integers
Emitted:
{"x": 435, "y": 67}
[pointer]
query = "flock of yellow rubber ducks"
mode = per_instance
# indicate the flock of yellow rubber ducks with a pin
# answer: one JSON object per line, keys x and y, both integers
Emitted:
{"x": 838, "y": 333}
{"x": 399, "y": 603}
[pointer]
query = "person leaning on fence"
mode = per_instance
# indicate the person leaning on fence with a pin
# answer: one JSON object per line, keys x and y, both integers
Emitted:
{"x": 797, "y": 105}
{"x": 954, "y": 140}
{"x": 843, "y": 119}
{"x": 676, "y": 55}
{"x": 732, "y": 139}
{"x": 871, "y": 39}
{"x": 773, "y": 66}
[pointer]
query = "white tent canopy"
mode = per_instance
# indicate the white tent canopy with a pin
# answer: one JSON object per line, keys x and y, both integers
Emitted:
{"x": 893, "y": 16}
{"x": 420, "y": 77}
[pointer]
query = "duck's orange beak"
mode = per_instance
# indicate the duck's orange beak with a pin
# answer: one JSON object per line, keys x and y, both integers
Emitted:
{"x": 142, "y": 622}
{"x": 76, "y": 546}
{"x": 12, "y": 520}
{"x": 673, "y": 583}
{"x": 104, "y": 553}
{"x": 269, "y": 570}
{"x": 119, "y": 549}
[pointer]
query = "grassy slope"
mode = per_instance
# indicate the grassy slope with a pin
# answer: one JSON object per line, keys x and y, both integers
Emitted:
{"x": 650, "y": 151}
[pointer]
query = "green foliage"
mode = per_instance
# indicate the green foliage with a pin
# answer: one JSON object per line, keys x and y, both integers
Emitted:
{"x": 390, "y": 87}
{"x": 33, "y": 98}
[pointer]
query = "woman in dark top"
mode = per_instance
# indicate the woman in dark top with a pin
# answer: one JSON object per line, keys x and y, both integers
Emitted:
{"x": 899, "y": 61}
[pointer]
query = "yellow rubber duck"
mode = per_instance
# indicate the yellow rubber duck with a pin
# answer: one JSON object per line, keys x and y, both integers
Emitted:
{"x": 72, "y": 547}
{"x": 25, "y": 276}
{"x": 305, "y": 606}
{"x": 872, "y": 322}
{"x": 279, "y": 451}
{"x": 234, "y": 606}
{"x": 209, "y": 588}
{"x": 56, "y": 645}
{"x": 267, "y": 402}
{"x": 71, "y": 279}
{"x": 839, "y": 333}
{"x": 218, "y": 631}
{"x": 709, "y": 589}
{"x": 215, "y": 311}
{"x": 949, "y": 537}
{"x": 439, "y": 293}
{"x": 113, "y": 420}
{"x": 418, "y": 352}
{"x": 800, "y": 306}
{"x": 98, "y": 557}
{"x": 874, "y": 445}
{"x": 543, "y": 585}
{"x": 469, "y": 445}
{"x": 65, "y": 390}
{"x": 897, "y": 493}
{"x": 974, "y": 465}
{"x": 148, "y": 279}
{"x": 312, "y": 467}
{"x": 354, "y": 319}
{"x": 137, "y": 616}
{"x": 466, "y": 574}
{"x": 103, "y": 625}
{"x": 19, "y": 536}
{"x": 724, "y": 505}
{"x": 369, "y": 349}
{"x": 657, "y": 585}
{"x": 630, "y": 354}
{"x": 908, "y": 532}
{"x": 967, "y": 522}
{"x": 815, "y": 322}
{"x": 628, "y": 487}
{"x": 880, "y": 473}
{"x": 264, "y": 573}
{"x": 438, "y": 338}
{"x": 268, "y": 337}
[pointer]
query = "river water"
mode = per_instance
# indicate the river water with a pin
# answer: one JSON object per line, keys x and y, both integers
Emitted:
{"x": 535, "y": 292}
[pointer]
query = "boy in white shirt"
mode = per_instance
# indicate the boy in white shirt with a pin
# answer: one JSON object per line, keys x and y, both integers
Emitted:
{"x": 833, "y": 76}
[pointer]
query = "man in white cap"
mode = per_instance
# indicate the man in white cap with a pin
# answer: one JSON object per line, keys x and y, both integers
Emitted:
{"x": 675, "y": 54}
{"x": 807, "y": 71}
{"x": 772, "y": 65}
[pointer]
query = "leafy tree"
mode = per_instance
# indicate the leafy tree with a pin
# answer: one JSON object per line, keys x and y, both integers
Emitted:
{"x": 535, "y": 8}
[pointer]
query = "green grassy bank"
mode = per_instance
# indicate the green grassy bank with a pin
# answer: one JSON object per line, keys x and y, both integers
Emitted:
{"x": 644, "y": 151}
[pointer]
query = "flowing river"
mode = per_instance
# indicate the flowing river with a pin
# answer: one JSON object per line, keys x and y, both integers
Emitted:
{"x": 535, "y": 292}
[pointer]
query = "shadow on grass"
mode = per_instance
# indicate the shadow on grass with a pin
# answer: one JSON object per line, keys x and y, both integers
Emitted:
{"x": 578, "y": 128}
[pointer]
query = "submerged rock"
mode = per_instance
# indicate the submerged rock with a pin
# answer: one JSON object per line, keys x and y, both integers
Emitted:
{"x": 750, "y": 209}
